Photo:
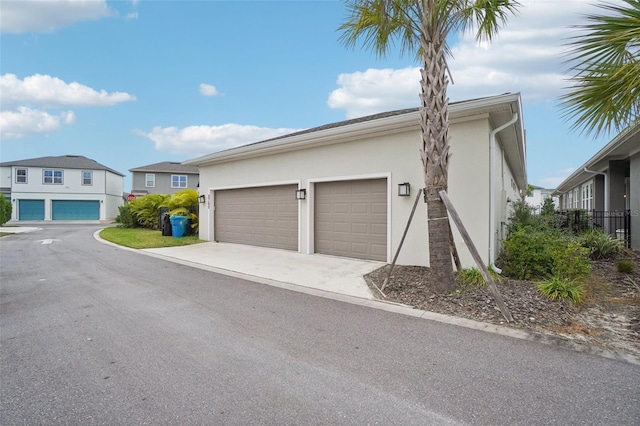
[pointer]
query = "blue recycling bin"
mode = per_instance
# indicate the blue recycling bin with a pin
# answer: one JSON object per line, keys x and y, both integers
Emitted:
{"x": 179, "y": 226}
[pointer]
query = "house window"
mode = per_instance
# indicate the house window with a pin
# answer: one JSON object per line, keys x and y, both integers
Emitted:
{"x": 21, "y": 175}
{"x": 178, "y": 181}
{"x": 87, "y": 177}
{"x": 587, "y": 196}
{"x": 576, "y": 198}
{"x": 53, "y": 177}
{"x": 150, "y": 180}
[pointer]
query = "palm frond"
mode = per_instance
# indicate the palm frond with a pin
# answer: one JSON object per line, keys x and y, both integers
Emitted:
{"x": 604, "y": 92}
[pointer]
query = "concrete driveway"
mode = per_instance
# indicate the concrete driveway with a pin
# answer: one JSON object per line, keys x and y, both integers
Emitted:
{"x": 327, "y": 273}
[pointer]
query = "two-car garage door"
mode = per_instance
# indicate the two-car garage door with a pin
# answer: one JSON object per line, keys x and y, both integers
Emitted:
{"x": 350, "y": 217}
{"x": 75, "y": 210}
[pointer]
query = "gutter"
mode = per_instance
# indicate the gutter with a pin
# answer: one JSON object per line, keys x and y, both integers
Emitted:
{"x": 492, "y": 190}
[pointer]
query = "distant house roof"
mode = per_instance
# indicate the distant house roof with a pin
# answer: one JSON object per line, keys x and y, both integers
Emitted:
{"x": 167, "y": 167}
{"x": 62, "y": 162}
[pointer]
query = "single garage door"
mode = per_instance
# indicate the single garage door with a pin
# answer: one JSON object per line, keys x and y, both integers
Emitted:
{"x": 262, "y": 216}
{"x": 351, "y": 219}
{"x": 30, "y": 209}
{"x": 75, "y": 210}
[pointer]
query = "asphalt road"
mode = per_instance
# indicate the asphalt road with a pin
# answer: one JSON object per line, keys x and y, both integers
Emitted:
{"x": 94, "y": 334}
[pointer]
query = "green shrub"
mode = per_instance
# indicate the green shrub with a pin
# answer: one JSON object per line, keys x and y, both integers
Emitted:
{"x": 185, "y": 203}
{"x": 559, "y": 288}
{"x": 625, "y": 266}
{"x": 473, "y": 277}
{"x": 125, "y": 217}
{"x": 522, "y": 218}
{"x": 600, "y": 245}
{"x": 146, "y": 209}
{"x": 571, "y": 261}
{"x": 5, "y": 210}
{"x": 529, "y": 254}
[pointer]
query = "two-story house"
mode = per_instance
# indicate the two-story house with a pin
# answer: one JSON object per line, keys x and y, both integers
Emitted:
{"x": 538, "y": 195}
{"x": 68, "y": 187}
{"x": 167, "y": 177}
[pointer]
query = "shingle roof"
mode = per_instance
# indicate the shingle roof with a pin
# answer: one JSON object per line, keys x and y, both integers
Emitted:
{"x": 353, "y": 121}
{"x": 167, "y": 166}
{"x": 62, "y": 162}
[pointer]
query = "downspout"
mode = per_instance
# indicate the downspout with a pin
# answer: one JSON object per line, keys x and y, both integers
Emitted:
{"x": 492, "y": 190}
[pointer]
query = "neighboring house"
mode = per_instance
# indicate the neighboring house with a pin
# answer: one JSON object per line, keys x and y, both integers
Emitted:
{"x": 163, "y": 178}
{"x": 335, "y": 189}
{"x": 537, "y": 197}
{"x": 608, "y": 185}
{"x": 68, "y": 187}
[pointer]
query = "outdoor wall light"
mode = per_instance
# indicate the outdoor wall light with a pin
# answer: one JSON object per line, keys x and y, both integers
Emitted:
{"x": 404, "y": 189}
{"x": 301, "y": 194}
{"x": 202, "y": 199}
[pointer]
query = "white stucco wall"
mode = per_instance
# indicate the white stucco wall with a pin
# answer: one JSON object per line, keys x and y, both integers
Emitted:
{"x": 395, "y": 156}
{"x": 5, "y": 177}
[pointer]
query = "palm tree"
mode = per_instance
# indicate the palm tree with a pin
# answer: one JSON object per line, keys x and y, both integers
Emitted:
{"x": 605, "y": 90}
{"x": 422, "y": 27}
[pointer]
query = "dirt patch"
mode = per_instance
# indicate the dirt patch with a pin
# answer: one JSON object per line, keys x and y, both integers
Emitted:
{"x": 608, "y": 320}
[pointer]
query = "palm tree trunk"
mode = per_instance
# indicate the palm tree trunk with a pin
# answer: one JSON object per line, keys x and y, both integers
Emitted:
{"x": 434, "y": 116}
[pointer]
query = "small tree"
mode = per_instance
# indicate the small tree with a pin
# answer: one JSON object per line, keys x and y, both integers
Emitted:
{"x": 548, "y": 207}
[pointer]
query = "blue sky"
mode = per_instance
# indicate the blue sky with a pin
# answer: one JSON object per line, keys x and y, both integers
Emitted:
{"x": 131, "y": 83}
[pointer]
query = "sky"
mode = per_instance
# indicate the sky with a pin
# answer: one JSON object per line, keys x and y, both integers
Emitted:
{"x": 132, "y": 83}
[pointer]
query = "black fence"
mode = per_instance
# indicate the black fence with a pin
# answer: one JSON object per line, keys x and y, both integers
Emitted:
{"x": 616, "y": 223}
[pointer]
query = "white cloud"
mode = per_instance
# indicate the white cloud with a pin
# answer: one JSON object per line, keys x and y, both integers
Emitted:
{"x": 200, "y": 140}
{"x": 43, "y": 16}
{"x": 555, "y": 178}
{"x": 375, "y": 90}
{"x": 24, "y": 121}
{"x": 50, "y": 91}
{"x": 526, "y": 57}
{"x": 208, "y": 90}
{"x": 17, "y": 98}
{"x": 131, "y": 16}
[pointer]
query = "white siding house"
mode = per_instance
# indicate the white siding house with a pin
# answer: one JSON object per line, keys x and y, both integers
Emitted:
{"x": 68, "y": 187}
{"x": 348, "y": 174}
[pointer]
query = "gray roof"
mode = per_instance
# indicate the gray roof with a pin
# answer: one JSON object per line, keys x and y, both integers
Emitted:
{"x": 167, "y": 167}
{"x": 61, "y": 162}
{"x": 355, "y": 121}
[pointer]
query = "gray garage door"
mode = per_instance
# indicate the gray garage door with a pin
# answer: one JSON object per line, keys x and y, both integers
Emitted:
{"x": 75, "y": 210}
{"x": 30, "y": 209}
{"x": 263, "y": 216}
{"x": 351, "y": 219}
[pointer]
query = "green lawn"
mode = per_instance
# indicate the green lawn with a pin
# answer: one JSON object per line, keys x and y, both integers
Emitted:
{"x": 140, "y": 238}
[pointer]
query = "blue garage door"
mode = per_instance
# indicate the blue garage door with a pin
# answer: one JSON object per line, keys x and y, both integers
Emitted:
{"x": 30, "y": 209}
{"x": 75, "y": 210}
